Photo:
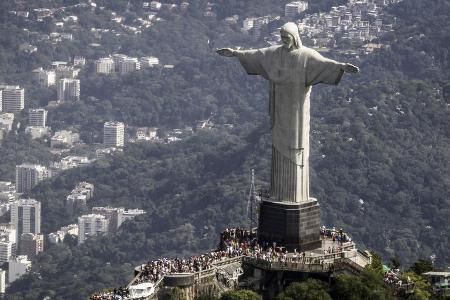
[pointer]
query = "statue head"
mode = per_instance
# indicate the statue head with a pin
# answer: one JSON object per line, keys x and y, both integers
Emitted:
{"x": 290, "y": 36}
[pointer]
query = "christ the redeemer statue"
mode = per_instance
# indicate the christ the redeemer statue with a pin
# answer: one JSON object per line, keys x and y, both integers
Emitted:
{"x": 291, "y": 70}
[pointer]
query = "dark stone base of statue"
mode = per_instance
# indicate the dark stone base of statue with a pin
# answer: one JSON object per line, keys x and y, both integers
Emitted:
{"x": 290, "y": 224}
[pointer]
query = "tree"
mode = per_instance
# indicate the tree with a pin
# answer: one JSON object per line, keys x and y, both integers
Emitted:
{"x": 394, "y": 263}
{"x": 367, "y": 286}
{"x": 377, "y": 264}
{"x": 421, "y": 286}
{"x": 240, "y": 295}
{"x": 310, "y": 289}
{"x": 421, "y": 266}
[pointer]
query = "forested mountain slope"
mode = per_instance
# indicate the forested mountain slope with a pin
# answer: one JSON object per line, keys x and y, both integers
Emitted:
{"x": 380, "y": 159}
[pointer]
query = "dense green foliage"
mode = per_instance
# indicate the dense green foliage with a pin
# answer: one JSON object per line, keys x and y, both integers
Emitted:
{"x": 368, "y": 286}
{"x": 381, "y": 136}
{"x": 240, "y": 295}
{"x": 310, "y": 289}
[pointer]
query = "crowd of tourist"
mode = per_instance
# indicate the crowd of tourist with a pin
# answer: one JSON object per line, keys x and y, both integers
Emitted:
{"x": 335, "y": 235}
{"x": 116, "y": 294}
{"x": 234, "y": 242}
{"x": 391, "y": 277}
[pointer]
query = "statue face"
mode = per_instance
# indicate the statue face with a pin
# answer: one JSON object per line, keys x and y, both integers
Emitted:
{"x": 287, "y": 40}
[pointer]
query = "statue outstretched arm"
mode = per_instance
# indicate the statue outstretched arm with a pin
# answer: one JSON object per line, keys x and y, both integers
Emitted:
{"x": 228, "y": 52}
{"x": 349, "y": 68}
{"x": 251, "y": 60}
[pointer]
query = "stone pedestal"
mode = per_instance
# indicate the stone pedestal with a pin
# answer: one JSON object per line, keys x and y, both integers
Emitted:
{"x": 290, "y": 224}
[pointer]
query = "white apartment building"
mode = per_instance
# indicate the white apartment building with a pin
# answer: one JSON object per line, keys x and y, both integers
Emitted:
{"x": 79, "y": 196}
{"x": 64, "y": 138}
{"x": 45, "y": 77}
{"x": 13, "y": 98}
{"x": 131, "y": 214}
{"x": 37, "y": 117}
{"x": 58, "y": 236}
{"x": 292, "y": 9}
{"x": 66, "y": 72}
{"x": 79, "y": 61}
{"x": 6, "y": 121}
{"x": 91, "y": 225}
{"x": 113, "y": 134}
{"x": 247, "y": 24}
{"x": 149, "y": 61}
{"x": 8, "y": 242}
{"x": 37, "y": 132}
{"x": 6, "y": 250}
{"x": 155, "y": 5}
{"x": 2, "y": 281}
{"x": 26, "y": 216}
{"x": 18, "y": 267}
{"x": 69, "y": 162}
{"x": 8, "y": 231}
{"x": 68, "y": 89}
{"x": 104, "y": 65}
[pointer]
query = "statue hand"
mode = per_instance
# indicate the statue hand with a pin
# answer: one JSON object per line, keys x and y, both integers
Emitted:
{"x": 228, "y": 52}
{"x": 349, "y": 68}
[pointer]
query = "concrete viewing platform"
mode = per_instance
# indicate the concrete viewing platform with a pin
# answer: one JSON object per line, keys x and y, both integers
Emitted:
{"x": 242, "y": 263}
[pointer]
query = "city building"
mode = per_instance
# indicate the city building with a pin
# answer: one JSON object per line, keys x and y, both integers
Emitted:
{"x": 67, "y": 163}
{"x": 18, "y": 266}
{"x": 44, "y": 77}
{"x": 37, "y": 117}
{"x": 77, "y": 200}
{"x": 148, "y": 61}
{"x": 104, "y": 65}
{"x": 8, "y": 242}
{"x": 64, "y": 138}
{"x": 7, "y": 196}
{"x": 37, "y": 132}
{"x": 58, "y": 236}
{"x": 42, "y": 13}
{"x": 68, "y": 89}
{"x": 6, "y": 250}
{"x": 91, "y": 225}
{"x": 6, "y": 121}
{"x": 155, "y": 5}
{"x": 56, "y": 64}
{"x": 28, "y": 176}
{"x": 66, "y": 72}
{"x": 26, "y": 216}
{"x": 439, "y": 281}
{"x": 131, "y": 214}
{"x": 113, "y": 134}
{"x": 113, "y": 214}
{"x": 7, "y": 186}
{"x": 291, "y": 10}
{"x": 13, "y": 98}
{"x": 79, "y": 61}
{"x": 127, "y": 65}
{"x": 247, "y": 24}
{"x": 2, "y": 281}
{"x": 30, "y": 244}
{"x": 103, "y": 152}
{"x": 146, "y": 133}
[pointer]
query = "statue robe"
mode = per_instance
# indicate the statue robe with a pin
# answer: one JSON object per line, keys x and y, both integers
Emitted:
{"x": 291, "y": 75}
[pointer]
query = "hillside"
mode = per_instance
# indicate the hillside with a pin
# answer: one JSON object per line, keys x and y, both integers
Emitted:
{"x": 380, "y": 159}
